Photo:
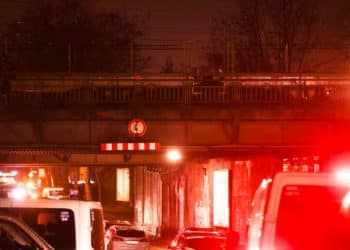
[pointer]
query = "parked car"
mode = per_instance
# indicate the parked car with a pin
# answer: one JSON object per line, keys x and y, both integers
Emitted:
{"x": 199, "y": 239}
{"x": 118, "y": 223}
{"x": 15, "y": 234}
{"x": 111, "y": 226}
{"x": 208, "y": 88}
{"x": 126, "y": 239}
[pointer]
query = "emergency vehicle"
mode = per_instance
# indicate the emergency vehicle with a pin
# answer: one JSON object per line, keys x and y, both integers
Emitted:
{"x": 298, "y": 210}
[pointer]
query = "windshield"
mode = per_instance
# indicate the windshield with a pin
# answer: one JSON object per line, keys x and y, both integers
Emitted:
{"x": 56, "y": 226}
{"x": 313, "y": 217}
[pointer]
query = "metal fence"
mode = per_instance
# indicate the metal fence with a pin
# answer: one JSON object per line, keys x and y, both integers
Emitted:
{"x": 204, "y": 95}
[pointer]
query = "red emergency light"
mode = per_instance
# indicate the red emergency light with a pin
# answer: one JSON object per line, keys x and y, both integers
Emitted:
{"x": 130, "y": 146}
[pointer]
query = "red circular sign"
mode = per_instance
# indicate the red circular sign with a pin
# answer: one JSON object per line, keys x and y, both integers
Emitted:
{"x": 137, "y": 127}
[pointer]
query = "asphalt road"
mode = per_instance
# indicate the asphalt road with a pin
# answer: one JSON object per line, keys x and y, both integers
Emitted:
{"x": 159, "y": 244}
{"x": 158, "y": 248}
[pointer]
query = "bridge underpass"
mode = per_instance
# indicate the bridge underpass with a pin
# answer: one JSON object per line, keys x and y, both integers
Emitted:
{"x": 247, "y": 126}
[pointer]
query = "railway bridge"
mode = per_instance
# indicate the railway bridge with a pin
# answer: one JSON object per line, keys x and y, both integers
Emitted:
{"x": 234, "y": 130}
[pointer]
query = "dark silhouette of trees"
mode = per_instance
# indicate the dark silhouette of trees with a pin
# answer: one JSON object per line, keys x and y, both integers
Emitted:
{"x": 281, "y": 36}
{"x": 70, "y": 35}
{"x": 168, "y": 66}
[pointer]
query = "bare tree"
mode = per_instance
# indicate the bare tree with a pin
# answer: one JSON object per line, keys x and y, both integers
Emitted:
{"x": 168, "y": 66}
{"x": 246, "y": 27}
{"x": 272, "y": 35}
{"x": 70, "y": 35}
{"x": 295, "y": 25}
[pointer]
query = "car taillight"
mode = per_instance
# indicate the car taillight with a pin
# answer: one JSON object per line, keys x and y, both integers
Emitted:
{"x": 173, "y": 243}
{"x": 174, "y": 246}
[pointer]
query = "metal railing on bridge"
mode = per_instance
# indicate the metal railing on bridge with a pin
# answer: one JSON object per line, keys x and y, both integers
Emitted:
{"x": 234, "y": 91}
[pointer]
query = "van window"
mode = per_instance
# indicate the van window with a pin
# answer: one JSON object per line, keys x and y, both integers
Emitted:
{"x": 56, "y": 226}
{"x": 313, "y": 217}
{"x": 97, "y": 230}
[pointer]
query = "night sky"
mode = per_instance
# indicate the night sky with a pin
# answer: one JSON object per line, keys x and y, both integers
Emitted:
{"x": 174, "y": 20}
{"x": 169, "y": 21}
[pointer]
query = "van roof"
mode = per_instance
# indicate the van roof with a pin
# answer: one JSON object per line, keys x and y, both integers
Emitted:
{"x": 321, "y": 179}
{"x": 309, "y": 179}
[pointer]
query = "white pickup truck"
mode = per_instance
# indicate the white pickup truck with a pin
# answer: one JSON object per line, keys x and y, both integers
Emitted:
{"x": 301, "y": 211}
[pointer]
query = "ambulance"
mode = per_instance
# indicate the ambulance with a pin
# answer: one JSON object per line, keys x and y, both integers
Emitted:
{"x": 301, "y": 211}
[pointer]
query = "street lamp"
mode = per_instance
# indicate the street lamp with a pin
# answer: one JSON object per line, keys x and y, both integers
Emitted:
{"x": 174, "y": 155}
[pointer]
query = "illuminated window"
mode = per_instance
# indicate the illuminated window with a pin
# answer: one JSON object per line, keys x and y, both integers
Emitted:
{"x": 123, "y": 184}
{"x": 221, "y": 215}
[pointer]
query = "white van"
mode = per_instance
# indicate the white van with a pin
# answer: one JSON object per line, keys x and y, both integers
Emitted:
{"x": 65, "y": 224}
{"x": 301, "y": 211}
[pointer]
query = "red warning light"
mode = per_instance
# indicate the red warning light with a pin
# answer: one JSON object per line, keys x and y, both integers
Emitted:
{"x": 138, "y": 76}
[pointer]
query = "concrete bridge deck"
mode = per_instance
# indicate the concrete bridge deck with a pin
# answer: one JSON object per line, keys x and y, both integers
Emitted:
{"x": 64, "y": 118}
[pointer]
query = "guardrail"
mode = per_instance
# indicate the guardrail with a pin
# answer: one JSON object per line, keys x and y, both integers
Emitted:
{"x": 189, "y": 95}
